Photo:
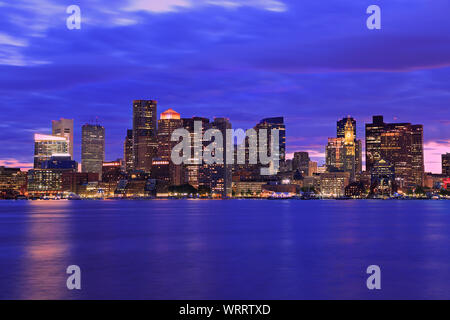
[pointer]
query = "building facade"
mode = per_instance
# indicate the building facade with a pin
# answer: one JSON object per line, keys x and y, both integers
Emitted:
{"x": 400, "y": 144}
{"x": 45, "y": 146}
{"x": 128, "y": 154}
{"x": 92, "y": 148}
{"x": 145, "y": 144}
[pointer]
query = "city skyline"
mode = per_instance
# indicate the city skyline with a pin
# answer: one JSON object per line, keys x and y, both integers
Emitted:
{"x": 158, "y": 115}
{"x": 244, "y": 66}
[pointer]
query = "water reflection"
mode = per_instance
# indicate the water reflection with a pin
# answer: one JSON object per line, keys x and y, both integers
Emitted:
{"x": 47, "y": 251}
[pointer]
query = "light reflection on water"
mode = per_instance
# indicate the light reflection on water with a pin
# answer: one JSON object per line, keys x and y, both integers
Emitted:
{"x": 237, "y": 249}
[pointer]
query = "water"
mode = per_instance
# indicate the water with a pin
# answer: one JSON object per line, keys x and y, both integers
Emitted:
{"x": 235, "y": 249}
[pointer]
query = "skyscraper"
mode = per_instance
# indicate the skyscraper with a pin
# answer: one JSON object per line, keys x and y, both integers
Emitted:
{"x": 275, "y": 123}
{"x": 92, "y": 148}
{"x": 64, "y": 128}
{"x": 168, "y": 122}
{"x": 145, "y": 144}
{"x": 218, "y": 177}
{"x": 128, "y": 155}
{"x": 45, "y": 146}
{"x": 191, "y": 173}
{"x": 401, "y": 145}
{"x": 446, "y": 164}
{"x": 334, "y": 154}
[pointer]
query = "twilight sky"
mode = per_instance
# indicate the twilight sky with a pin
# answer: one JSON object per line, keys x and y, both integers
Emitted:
{"x": 312, "y": 62}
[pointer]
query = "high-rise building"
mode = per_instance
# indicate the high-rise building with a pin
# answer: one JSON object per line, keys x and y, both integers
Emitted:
{"x": 218, "y": 177}
{"x": 92, "y": 148}
{"x": 301, "y": 162}
{"x": 168, "y": 122}
{"x": 145, "y": 144}
{"x": 45, "y": 146}
{"x": 191, "y": 173}
{"x": 274, "y": 123}
{"x": 446, "y": 164}
{"x": 344, "y": 153}
{"x": 64, "y": 128}
{"x": 334, "y": 154}
{"x": 401, "y": 145}
{"x": 128, "y": 155}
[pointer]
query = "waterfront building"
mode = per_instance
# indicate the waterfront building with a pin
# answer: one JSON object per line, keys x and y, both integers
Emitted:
{"x": 64, "y": 128}
{"x": 44, "y": 182}
{"x": 355, "y": 190}
{"x": 400, "y": 144}
{"x": 76, "y": 182}
{"x": 247, "y": 188}
{"x": 12, "y": 182}
{"x": 145, "y": 144}
{"x": 92, "y": 148}
{"x": 47, "y": 145}
{"x": 332, "y": 184}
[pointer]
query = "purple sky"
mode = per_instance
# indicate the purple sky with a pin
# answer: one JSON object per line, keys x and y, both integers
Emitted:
{"x": 312, "y": 62}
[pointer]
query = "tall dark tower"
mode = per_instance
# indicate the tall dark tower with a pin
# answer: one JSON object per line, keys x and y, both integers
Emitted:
{"x": 128, "y": 155}
{"x": 92, "y": 148}
{"x": 145, "y": 144}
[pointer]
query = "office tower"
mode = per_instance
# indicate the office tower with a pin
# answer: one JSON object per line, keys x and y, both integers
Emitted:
{"x": 45, "y": 146}
{"x": 92, "y": 148}
{"x": 64, "y": 128}
{"x": 169, "y": 121}
{"x": 301, "y": 162}
{"x": 334, "y": 154}
{"x": 192, "y": 171}
{"x": 274, "y": 123}
{"x": 217, "y": 176}
{"x": 400, "y": 144}
{"x": 446, "y": 164}
{"x": 128, "y": 155}
{"x": 145, "y": 143}
{"x": 418, "y": 163}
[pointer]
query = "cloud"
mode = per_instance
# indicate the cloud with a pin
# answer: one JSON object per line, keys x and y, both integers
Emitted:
{"x": 14, "y": 163}
{"x": 162, "y": 6}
